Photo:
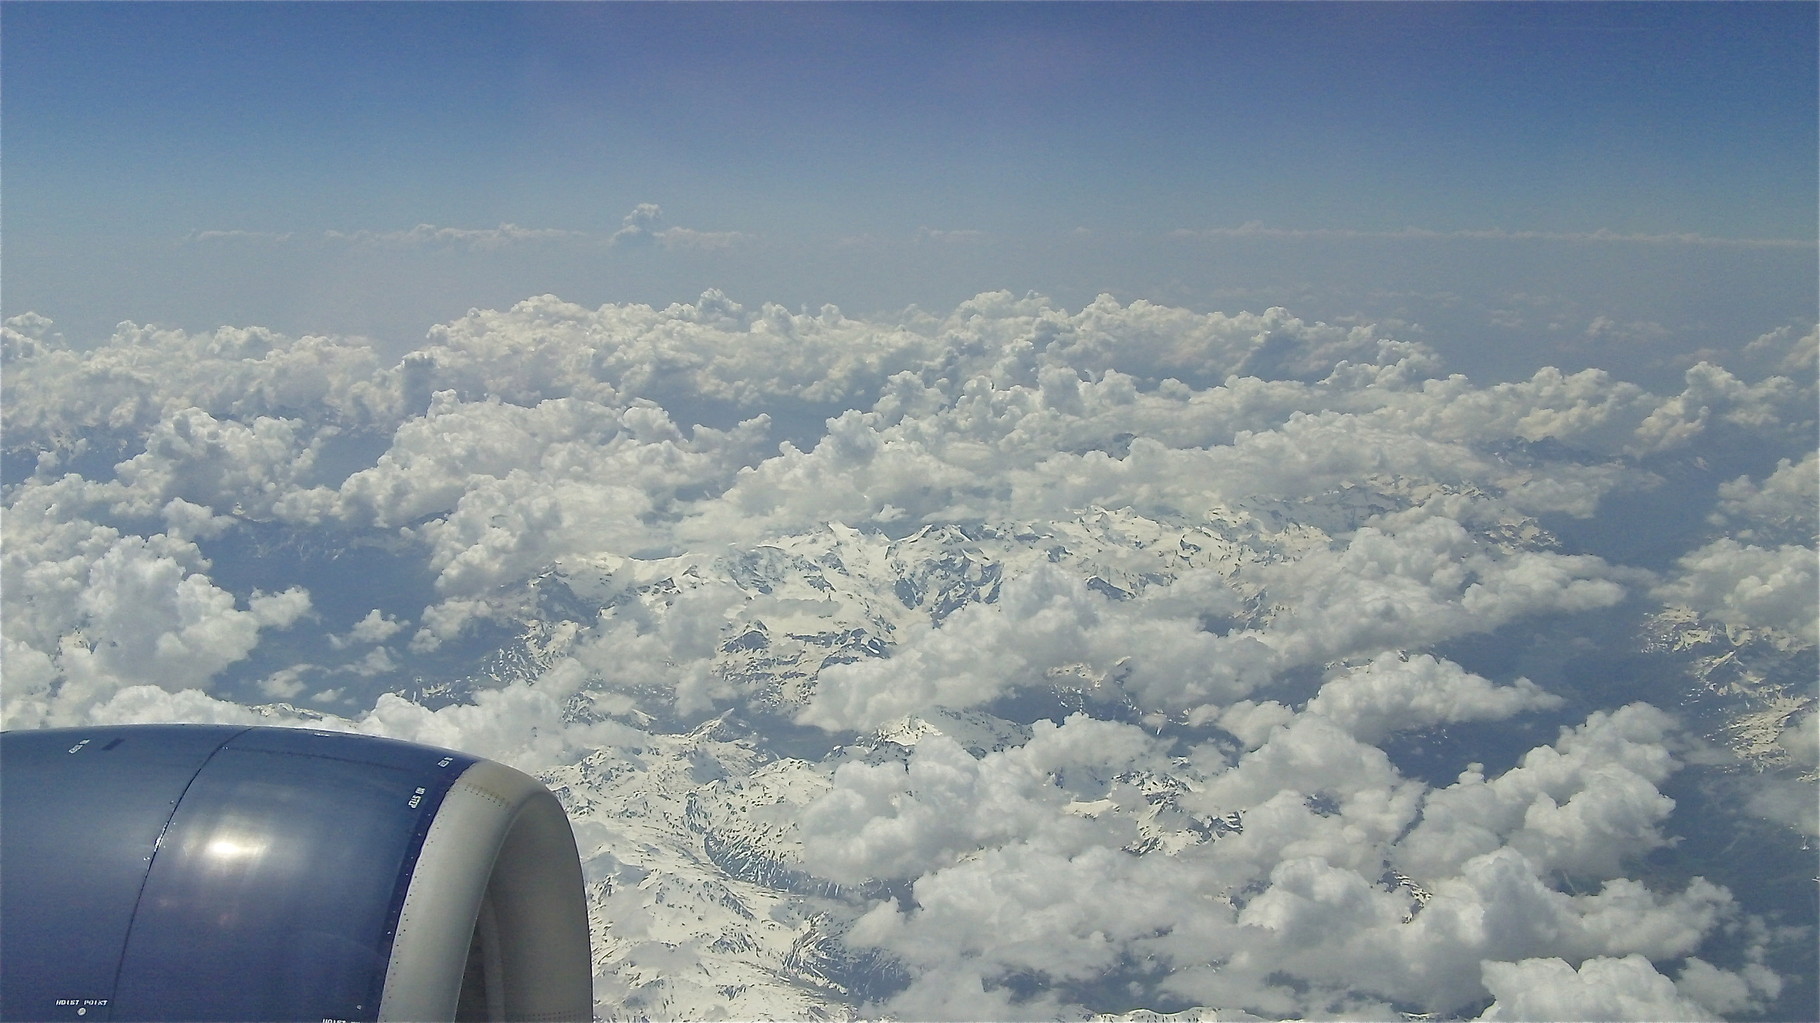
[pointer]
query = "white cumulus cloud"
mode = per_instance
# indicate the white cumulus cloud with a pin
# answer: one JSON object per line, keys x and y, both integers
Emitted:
{"x": 1010, "y": 661}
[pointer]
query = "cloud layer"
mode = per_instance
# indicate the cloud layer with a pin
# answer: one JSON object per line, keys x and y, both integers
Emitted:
{"x": 1030, "y": 661}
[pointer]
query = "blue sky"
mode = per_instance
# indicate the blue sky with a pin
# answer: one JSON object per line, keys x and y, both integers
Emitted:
{"x": 878, "y": 155}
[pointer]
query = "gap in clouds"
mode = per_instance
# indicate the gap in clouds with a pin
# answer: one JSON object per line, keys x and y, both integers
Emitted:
{"x": 1652, "y": 525}
{"x": 349, "y": 575}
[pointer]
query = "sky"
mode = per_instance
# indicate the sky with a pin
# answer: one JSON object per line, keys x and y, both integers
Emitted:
{"x": 980, "y": 512}
{"x": 205, "y": 164}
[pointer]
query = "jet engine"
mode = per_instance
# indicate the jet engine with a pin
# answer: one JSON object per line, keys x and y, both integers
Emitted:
{"x": 212, "y": 872}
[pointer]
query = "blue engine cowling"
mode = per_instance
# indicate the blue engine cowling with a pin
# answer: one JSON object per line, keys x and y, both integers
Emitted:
{"x": 212, "y": 872}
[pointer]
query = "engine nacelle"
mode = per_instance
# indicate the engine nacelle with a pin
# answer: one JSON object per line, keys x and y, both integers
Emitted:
{"x": 213, "y": 872}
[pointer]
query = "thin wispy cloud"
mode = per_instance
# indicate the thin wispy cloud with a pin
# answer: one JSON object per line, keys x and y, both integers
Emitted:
{"x": 643, "y": 226}
{"x": 238, "y": 236}
{"x": 953, "y": 236}
{"x": 1256, "y": 229}
{"x": 473, "y": 238}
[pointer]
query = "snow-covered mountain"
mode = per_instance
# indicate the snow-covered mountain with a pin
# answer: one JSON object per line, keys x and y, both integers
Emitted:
{"x": 703, "y": 900}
